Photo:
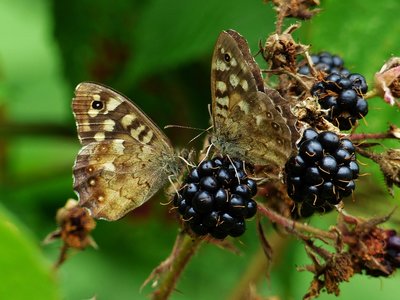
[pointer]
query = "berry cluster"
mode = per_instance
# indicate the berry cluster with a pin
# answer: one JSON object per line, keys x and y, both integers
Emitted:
{"x": 322, "y": 173}
{"x": 326, "y": 62}
{"x": 342, "y": 95}
{"x": 217, "y": 198}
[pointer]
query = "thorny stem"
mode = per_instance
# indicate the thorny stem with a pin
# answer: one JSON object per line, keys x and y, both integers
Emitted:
{"x": 363, "y": 136}
{"x": 368, "y": 154}
{"x": 293, "y": 226}
{"x": 184, "y": 248}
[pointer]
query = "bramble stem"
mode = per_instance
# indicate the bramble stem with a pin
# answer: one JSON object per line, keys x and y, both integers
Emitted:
{"x": 184, "y": 248}
{"x": 363, "y": 136}
{"x": 293, "y": 226}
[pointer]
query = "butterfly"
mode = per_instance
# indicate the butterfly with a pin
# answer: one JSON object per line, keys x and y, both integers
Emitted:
{"x": 247, "y": 117}
{"x": 125, "y": 158}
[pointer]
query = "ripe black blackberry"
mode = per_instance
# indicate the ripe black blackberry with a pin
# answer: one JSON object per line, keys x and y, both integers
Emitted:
{"x": 326, "y": 62}
{"x": 342, "y": 96}
{"x": 217, "y": 198}
{"x": 322, "y": 173}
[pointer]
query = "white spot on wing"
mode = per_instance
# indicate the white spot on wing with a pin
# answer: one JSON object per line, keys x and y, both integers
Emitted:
{"x": 223, "y": 100}
{"x": 244, "y": 106}
{"x": 109, "y": 166}
{"x": 221, "y": 86}
{"x": 221, "y": 65}
{"x": 234, "y": 80}
{"x": 136, "y": 131}
{"x": 93, "y": 112}
{"x": 233, "y": 62}
{"x": 118, "y": 147}
{"x": 244, "y": 85}
{"x": 127, "y": 120}
{"x": 109, "y": 125}
{"x": 99, "y": 136}
{"x": 112, "y": 104}
{"x": 147, "y": 138}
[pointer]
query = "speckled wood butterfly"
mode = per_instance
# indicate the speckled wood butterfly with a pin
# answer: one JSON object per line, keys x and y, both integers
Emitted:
{"x": 247, "y": 117}
{"x": 125, "y": 158}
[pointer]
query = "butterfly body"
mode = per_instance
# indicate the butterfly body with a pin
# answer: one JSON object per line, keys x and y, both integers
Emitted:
{"x": 125, "y": 158}
{"x": 246, "y": 122}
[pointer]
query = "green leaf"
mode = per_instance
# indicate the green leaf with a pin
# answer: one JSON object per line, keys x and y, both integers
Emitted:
{"x": 24, "y": 272}
{"x": 172, "y": 33}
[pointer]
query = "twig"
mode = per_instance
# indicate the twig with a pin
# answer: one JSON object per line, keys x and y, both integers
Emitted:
{"x": 184, "y": 248}
{"x": 363, "y": 136}
{"x": 293, "y": 226}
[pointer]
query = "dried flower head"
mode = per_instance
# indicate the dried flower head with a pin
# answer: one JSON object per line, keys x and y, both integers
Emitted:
{"x": 75, "y": 225}
{"x": 387, "y": 80}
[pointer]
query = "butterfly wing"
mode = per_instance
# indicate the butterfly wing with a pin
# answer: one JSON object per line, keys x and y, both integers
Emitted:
{"x": 125, "y": 157}
{"x": 246, "y": 123}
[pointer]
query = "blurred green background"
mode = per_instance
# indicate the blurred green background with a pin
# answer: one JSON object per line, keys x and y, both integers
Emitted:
{"x": 158, "y": 53}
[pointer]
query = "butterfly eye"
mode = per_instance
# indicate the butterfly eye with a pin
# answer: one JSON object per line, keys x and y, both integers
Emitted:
{"x": 227, "y": 57}
{"x": 97, "y": 104}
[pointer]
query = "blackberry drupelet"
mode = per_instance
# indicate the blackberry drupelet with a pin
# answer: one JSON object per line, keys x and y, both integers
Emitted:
{"x": 217, "y": 198}
{"x": 343, "y": 97}
{"x": 322, "y": 173}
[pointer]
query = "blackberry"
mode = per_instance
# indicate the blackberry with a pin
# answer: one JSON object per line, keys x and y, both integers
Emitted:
{"x": 322, "y": 173}
{"x": 326, "y": 62}
{"x": 217, "y": 198}
{"x": 342, "y": 96}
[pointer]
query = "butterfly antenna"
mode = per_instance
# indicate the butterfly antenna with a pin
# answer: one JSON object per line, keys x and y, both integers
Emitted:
{"x": 197, "y": 136}
{"x": 188, "y": 127}
{"x": 186, "y": 161}
{"x": 171, "y": 182}
{"x": 173, "y": 186}
{"x": 182, "y": 126}
{"x": 207, "y": 153}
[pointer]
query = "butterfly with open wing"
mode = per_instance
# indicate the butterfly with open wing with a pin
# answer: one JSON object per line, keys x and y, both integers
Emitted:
{"x": 125, "y": 158}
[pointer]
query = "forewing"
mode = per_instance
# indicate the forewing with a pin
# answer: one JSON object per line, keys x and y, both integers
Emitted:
{"x": 121, "y": 164}
{"x": 234, "y": 72}
{"x": 102, "y": 113}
